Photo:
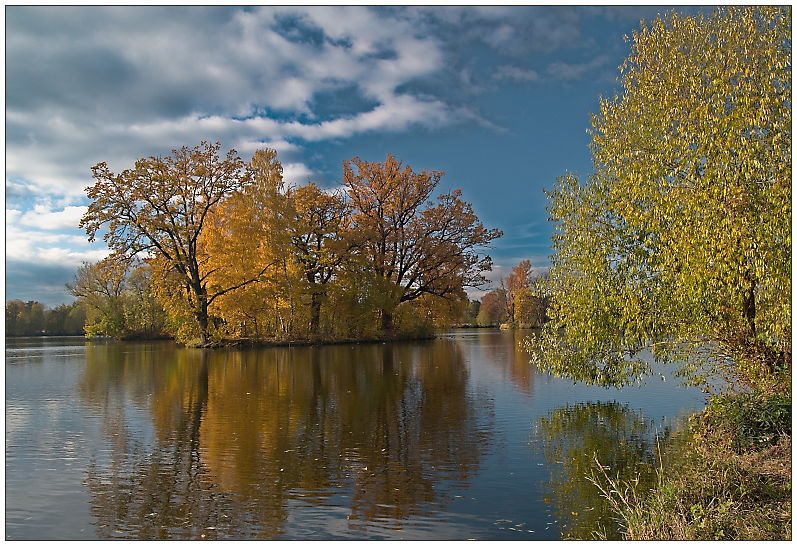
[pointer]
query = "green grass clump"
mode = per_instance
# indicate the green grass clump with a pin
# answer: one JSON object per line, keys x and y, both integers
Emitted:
{"x": 746, "y": 421}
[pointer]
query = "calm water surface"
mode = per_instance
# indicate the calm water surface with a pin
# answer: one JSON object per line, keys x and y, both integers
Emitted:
{"x": 450, "y": 439}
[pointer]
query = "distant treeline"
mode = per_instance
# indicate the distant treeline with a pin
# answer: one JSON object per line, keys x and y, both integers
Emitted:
{"x": 519, "y": 302}
{"x": 130, "y": 311}
{"x": 31, "y": 318}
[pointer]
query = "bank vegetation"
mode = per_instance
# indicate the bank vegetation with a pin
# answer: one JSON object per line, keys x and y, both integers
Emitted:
{"x": 679, "y": 244}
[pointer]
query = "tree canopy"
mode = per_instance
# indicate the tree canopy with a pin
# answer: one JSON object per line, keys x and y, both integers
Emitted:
{"x": 416, "y": 246}
{"x": 233, "y": 250}
{"x": 161, "y": 206}
{"x": 680, "y": 241}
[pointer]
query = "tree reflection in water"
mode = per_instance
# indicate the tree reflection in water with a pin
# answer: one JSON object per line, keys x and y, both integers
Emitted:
{"x": 570, "y": 437}
{"x": 512, "y": 358}
{"x": 225, "y": 444}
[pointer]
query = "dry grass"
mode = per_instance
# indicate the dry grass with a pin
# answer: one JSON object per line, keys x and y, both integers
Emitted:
{"x": 710, "y": 490}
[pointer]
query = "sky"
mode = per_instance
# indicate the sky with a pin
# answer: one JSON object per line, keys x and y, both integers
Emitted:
{"x": 499, "y": 98}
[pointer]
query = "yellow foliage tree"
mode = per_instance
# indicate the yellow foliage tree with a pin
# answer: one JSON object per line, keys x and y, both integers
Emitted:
{"x": 681, "y": 241}
{"x": 160, "y": 207}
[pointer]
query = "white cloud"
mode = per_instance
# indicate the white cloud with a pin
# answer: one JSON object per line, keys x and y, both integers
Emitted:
{"x": 399, "y": 113}
{"x": 66, "y": 256}
{"x": 42, "y": 217}
{"x": 282, "y": 146}
{"x": 515, "y": 73}
{"x": 30, "y": 238}
{"x": 574, "y": 71}
{"x": 115, "y": 84}
{"x": 118, "y": 83}
{"x": 296, "y": 173}
{"x": 32, "y": 247}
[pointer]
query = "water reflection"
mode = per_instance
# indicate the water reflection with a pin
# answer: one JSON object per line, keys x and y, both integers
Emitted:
{"x": 507, "y": 353}
{"x": 570, "y": 437}
{"x": 226, "y": 444}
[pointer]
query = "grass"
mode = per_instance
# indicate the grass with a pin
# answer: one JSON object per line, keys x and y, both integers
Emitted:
{"x": 729, "y": 477}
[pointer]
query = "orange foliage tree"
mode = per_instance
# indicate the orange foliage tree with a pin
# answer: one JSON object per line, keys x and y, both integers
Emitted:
{"x": 161, "y": 207}
{"x": 321, "y": 241}
{"x": 415, "y": 246}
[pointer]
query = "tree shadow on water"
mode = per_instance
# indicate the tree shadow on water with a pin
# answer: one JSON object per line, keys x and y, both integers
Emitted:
{"x": 272, "y": 443}
{"x": 572, "y": 438}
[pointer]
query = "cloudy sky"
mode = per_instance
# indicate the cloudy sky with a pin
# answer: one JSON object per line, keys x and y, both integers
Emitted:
{"x": 498, "y": 98}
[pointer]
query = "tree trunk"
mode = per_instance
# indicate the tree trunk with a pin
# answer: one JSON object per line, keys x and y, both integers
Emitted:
{"x": 387, "y": 320}
{"x": 201, "y": 315}
{"x": 315, "y": 312}
{"x": 202, "y": 319}
{"x": 748, "y": 307}
{"x": 290, "y": 293}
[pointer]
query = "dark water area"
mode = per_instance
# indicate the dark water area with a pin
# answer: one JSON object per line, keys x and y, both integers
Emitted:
{"x": 450, "y": 439}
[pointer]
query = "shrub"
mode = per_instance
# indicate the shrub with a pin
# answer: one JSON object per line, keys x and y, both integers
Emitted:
{"x": 748, "y": 420}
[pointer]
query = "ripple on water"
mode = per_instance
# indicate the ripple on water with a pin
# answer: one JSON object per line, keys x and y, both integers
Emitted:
{"x": 427, "y": 441}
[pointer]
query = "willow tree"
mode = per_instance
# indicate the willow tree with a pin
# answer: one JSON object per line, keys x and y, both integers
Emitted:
{"x": 681, "y": 240}
{"x": 413, "y": 245}
{"x": 160, "y": 207}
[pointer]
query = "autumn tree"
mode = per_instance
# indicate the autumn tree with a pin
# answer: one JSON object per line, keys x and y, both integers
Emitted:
{"x": 247, "y": 237}
{"x": 681, "y": 240}
{"x": 517, "y": 284}
{"x": 493, "y": 308}
{"x": 526, "y": 304}
{"x": 321, "y": 241}
{"x": 160, "y": 207}
{"x": 414, "y": 245}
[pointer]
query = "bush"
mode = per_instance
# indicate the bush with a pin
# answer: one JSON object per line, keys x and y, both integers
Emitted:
{"x": 747, "y": 421}
{"x": 729, "y": 479}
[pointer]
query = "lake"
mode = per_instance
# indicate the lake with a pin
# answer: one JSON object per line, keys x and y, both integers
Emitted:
{"x": 451, "y": 439}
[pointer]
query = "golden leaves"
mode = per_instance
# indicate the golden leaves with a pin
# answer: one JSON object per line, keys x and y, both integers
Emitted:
{"x": 691, "y": 195}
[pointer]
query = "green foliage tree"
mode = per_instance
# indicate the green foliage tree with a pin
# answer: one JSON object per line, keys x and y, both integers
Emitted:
{"x": 65, "y": 320}
{"x": 116, "y": 297}
{"x": 99, "y": 287}
{"x": 144, "y": 315}
{"x": 16, "y": 319}
{"x": 681, "y": 240}
{"x": 36, "y": 318}
{"x": 471, "y": 312}
{"x": 33, "y": 319}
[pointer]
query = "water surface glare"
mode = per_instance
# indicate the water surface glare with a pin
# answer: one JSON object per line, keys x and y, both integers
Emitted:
{"x": 450, "y": 439}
